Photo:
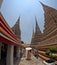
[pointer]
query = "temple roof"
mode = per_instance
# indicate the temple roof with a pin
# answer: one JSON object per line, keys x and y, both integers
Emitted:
{"x": 6, "y": 33}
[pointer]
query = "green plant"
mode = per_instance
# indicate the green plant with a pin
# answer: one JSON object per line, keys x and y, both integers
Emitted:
{"x": 53, "y": 49}
{"x": 50, "y": 52}
{"x": 47, "y": 52}
{"x": 52, "y": 57}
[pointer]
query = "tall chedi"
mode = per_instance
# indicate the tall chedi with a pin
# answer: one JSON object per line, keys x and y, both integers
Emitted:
{"x": 36, "y": 38}
{"x": 50, "y": 15}
{"x": 16, "y": 29}
{"x": 50, "y": 26}
{"x": 32, "y": 40}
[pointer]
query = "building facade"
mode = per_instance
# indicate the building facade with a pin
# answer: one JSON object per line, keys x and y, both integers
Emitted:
{"x": 8, "y": 42}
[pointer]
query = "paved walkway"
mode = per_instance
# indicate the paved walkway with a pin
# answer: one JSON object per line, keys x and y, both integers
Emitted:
{"x": 33, "y": 61}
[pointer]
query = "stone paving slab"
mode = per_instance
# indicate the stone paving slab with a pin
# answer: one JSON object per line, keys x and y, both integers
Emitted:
{"x": 33, "y": 61}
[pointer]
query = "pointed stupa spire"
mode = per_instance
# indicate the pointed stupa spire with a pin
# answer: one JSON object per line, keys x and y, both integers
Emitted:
{"x": 16, "y": 28}
{"x": 18, "y": 20}
{"x": 36, "y": 23}
{"x": 50, "y": 19}
{"x": 42, "y": 4}
{"x": 37, "y": 26}
{"x": 36, "y": 38}
{"x": 37, "y": 34}
{"x": 32, "y": 37}
{"x": 33, "y": 33}
{"x": 47, "y": 8}
{"x": 18, "y": 23}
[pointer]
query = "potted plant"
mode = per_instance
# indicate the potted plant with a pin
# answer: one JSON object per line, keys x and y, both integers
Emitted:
{"x": 52, "y": 54}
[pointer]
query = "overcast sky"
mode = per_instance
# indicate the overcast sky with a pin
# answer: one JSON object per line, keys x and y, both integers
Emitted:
{"x": 27, "y": 10}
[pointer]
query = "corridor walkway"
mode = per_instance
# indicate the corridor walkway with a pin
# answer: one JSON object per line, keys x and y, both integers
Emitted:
{"x": 33, "y": 61}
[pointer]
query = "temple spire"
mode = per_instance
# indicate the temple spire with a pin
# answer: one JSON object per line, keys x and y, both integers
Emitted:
{"x": 50, "y": 18}
{"x": 37, "y": 35}
{"x": 44, "y": 7}
{"x": 16, "y": 28}
{"x": 42, "y": 4}
{"x": 18, "y": 21}
{"x": 33, "y": 33}
{"x": 37, "y": 29}
{"x": 47, "y": 8}
{"x": 36, "y": 23}
{"x": 32, "y": 36}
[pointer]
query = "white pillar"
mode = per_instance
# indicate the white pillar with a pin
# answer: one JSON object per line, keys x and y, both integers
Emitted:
{"x": 10, "y": 58}
{"x": 0, "y": 50}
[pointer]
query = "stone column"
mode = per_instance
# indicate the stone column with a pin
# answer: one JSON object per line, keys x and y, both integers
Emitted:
{"x": 23, "y": 51}
{"x": 10, "y": 58}
{"x": 24, "y": 54}
{"x": 18, "y": 52}
{"x": 0, "y": 50}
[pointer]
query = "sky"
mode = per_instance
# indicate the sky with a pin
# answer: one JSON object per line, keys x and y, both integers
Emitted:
{"x": 27, "y": 10}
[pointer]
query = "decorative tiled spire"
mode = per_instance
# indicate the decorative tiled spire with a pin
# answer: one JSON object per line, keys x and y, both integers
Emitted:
{"x": 33, "y": 33}
{"x": 50, "y": 15}
{"x": 32, "y": 37}
{"x": 47, "y": 8}
{"x": 16, "y": 28}
{"x": 37, "y": 35}
{"x": 37, "y": 29}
